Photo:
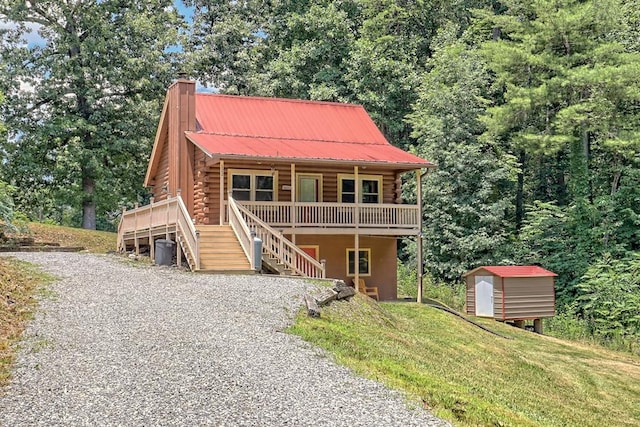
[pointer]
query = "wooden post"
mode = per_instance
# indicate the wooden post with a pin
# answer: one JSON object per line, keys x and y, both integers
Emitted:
{"x": 519, "y": 324}
{"x": 197, "y": 260}
{"x": 537, "y": 326}
{"x": 123, "y": 245}
{"x": 178, "y": 251}
{"x": 135, "y": 230}
{"x": 294, "y": 213}
{"x": 356, "y": 255}
{"x": 222, "y": 192}
{"x": 152, "y": 252}
{"x": 166, "y": 222}
{"x": 419, "y": 237}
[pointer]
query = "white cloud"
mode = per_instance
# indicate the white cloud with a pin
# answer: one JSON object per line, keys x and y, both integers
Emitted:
{"x": 31, "y": 36}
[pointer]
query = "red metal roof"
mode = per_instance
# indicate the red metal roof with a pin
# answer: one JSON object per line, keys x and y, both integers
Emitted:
{"x": 292, "y": 129}
{"x": 514, "y": 271}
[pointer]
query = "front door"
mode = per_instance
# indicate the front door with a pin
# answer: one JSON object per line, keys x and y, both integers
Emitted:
{"x": 484, "y": 296}
{"x": 308, "y": 188}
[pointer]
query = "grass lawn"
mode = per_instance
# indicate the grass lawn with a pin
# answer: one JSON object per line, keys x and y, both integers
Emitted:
{"x": 93, "y": 241}
{"x": 471, "y": 377}
{"x": 19, "y": 282}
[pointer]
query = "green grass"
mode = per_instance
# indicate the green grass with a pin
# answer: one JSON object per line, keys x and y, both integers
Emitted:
{"x": 471, "y": 377}
{"x": 93, "y": 241}
{"x": 19, "y": 283}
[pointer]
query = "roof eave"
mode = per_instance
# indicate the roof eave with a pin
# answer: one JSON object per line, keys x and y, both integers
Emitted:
{"x": 158, "y": 144}
{"x": 349, "y": 162}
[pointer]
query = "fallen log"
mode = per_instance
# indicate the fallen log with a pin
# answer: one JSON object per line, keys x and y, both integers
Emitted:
{"x": 326, "y": 297}
{"x": 312, "y": 306}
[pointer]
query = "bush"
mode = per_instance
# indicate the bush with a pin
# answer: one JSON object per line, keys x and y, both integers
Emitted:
{"x": 451, "y": 294}
{"x": 609, "y": 297}
{"x": 567, "y": 325}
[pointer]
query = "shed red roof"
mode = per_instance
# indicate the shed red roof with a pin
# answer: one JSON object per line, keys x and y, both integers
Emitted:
{"x": 254, "y": 127}
{"x": 514, "y": 271}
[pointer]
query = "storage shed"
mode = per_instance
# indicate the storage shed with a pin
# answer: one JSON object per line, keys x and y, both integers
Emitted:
{"x": 511, "y": 293}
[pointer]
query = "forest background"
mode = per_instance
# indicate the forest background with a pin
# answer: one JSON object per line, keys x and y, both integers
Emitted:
{"x": 530, "y": 109}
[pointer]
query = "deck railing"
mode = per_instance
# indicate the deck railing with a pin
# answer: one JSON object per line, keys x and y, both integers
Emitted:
{"x": 168, "y": 215}
{"x": 282, "y": 249}
{"x": 335, "y": 215}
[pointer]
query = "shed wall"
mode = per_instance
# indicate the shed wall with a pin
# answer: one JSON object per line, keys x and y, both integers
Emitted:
{"x": 471, "y": 295}
{"x": 529, "y": 297}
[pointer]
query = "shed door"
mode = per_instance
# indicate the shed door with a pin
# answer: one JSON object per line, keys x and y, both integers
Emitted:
{"x": 484, "y": 296}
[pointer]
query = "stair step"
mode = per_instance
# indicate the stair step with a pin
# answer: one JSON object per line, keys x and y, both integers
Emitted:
{"x": 224, "y": 266}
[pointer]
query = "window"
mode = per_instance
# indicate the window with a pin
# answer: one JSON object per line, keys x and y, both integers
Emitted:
{"x": 370, "y": 188}
{"x": 253, "y": 185}
{"x": 363, "y": 262}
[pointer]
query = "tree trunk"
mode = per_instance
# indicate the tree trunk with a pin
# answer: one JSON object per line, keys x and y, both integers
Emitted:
{"x": 520, "y": 191}
{"x": 586, "y": 151}
{"x": 88, "y": 203}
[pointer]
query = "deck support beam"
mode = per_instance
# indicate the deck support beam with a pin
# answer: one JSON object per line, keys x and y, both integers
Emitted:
{"x": 293, "y": 202}
{"x": 419, "y": 237}
{"x": 356, "y": 243}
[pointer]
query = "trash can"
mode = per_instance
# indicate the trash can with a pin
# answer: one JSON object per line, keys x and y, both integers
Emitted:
{"x": 164, "y": 251}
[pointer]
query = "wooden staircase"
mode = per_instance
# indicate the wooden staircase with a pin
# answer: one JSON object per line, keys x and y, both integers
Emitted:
{"x": 220, "y": 251}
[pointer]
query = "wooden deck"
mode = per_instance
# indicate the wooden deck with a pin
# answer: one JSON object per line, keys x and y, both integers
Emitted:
{"x": 337, "y": 218}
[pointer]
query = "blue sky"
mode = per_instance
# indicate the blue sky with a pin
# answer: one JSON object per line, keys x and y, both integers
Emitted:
{"x": 185, "y": 11}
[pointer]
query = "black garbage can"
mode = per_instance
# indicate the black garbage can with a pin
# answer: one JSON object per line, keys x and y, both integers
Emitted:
{"x": 164, "y": 251}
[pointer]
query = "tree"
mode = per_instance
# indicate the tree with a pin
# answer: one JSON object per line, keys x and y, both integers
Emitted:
{"x": 610, "y": 299}
{"x": 467, "y": 198}
{"x": 224, "y": 43}
{"x": 83, "y": 103}
{"x": 567, "y": 106}
{"x": 569, "y": 91}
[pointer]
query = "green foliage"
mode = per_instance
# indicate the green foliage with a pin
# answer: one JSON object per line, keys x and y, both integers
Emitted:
{"x": 451, "y": 294}
{"x": 6, "y": 209}
{"x": 467, "y": 197}
{"x": 567, "y": 325}
{"x": 609, "y": 297}
{"x": 83, "y": 104}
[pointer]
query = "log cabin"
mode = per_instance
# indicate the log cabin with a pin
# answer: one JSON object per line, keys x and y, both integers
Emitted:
{"x": 316, "y": 183}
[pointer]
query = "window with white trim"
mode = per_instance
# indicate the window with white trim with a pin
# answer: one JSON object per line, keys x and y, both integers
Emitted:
{"x": 364, "y": 264}
{"x": 253, "y": 185}
{"x": 370, "y": 188}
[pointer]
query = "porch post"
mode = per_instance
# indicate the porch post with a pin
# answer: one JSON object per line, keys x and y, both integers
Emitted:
{"x": 356, "y": 255}
{"x": 419, "y": 237}
{"x": 293, "y": 212}
{"x": 221, "y": 215}
{"x": 152, "y": 251}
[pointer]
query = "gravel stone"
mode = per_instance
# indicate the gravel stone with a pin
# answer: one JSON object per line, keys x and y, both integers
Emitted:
{"x": 153, "y": 346}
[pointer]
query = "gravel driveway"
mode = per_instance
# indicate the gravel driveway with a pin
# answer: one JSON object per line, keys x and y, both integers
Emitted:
{"x": 151, "y": 346}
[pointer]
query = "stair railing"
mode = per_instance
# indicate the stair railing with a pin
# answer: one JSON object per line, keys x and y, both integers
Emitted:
{"x": 282, "y": 249}
{"x": 189, "y": 233}
{"x": 241, "y": 229}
